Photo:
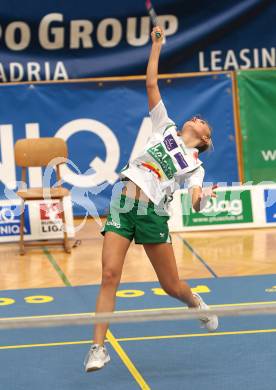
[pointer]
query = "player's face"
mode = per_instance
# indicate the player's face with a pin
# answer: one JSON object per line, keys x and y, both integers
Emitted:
{"x": 196, "y": 132}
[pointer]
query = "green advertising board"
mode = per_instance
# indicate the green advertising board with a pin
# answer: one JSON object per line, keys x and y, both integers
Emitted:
{"x": 229, "y": 207}
{"x": 257, "y": 102}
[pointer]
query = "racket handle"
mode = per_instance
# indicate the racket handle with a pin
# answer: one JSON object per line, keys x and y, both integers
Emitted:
{"x": 158, "y": 35}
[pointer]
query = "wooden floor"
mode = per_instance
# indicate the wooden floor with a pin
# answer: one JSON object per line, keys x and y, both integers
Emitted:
{"x": 226, "y": 253}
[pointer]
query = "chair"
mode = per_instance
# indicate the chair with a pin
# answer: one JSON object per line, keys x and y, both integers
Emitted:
{"x": 39, "y": 152}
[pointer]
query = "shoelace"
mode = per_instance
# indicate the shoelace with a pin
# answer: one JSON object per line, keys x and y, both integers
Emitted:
{"x": 94, "y": 349}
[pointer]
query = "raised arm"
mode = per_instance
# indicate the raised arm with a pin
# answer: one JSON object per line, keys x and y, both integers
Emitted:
{"x": 152, "y": 69}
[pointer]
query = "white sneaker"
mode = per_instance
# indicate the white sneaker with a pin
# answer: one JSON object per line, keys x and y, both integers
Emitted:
{"x": 209, "y": 322}
{"x": 96, "y": 358}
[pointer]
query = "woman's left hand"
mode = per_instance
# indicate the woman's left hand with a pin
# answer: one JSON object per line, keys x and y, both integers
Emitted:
{"x": 208, "y": 192}
{"x": 201, "y": 196}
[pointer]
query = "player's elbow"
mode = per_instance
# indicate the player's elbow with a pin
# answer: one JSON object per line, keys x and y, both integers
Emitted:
{"x": 151, "y": 84}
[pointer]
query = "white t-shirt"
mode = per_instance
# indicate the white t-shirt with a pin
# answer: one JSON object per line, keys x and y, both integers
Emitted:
{"x": 165, "y": 163}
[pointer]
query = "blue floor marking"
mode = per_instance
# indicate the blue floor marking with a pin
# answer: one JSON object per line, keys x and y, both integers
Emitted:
{"x": 231, "y": 362}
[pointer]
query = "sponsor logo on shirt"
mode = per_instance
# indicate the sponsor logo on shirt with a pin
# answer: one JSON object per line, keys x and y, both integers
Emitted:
{"x": 153, "y": 167}
{"x": 181, "y": 161}
{"x": 170, "y": 143}
{"x": 164, "y": 160}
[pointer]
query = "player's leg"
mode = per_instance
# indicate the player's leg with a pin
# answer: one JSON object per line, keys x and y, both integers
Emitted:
{"x": 114, "y": 251}
{"x": 153, "y": 232}
{"x": 113, "y": 255}
{"x": 163, "y": 261}
{"x": 118, "y": 234}
{"x": 162, "y": 258}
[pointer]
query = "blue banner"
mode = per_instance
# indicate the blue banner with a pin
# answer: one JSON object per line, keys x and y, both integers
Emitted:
{"x": 106, "y": 124}
{"x": 59, "y": 40}
{"x": 10, "y": 221}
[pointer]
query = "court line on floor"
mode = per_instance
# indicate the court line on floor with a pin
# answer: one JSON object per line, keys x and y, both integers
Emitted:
{"x": 54, "y": 263}
{"x": 191, "y": 335}
{"x": 191, "y": 249}
{"x": 143, "y": 338}
{"x": 127, "y": 361}
{"x": 141, "y": 310}
{"x": 110, "y": 337}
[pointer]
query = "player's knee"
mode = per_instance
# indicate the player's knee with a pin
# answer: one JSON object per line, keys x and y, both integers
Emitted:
{"x": 110, "y": 278}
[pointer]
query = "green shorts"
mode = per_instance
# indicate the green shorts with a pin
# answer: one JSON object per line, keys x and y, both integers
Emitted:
{"x": 142, "y": 221}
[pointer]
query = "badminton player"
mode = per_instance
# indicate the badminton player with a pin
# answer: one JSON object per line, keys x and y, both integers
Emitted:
{"x": 169, "y": 159}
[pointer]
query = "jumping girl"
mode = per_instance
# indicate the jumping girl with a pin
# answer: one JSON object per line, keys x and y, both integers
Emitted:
{"x": 140, "y": 212}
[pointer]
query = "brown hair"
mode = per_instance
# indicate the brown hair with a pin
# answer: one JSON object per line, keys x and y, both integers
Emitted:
{"x": 203, "y": 148}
